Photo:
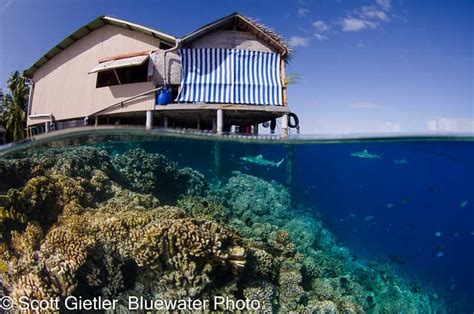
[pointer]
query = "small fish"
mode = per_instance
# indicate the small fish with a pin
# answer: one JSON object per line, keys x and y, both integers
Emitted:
{"x": 440, "y": 254}
{"x": 400, "y": 161}
{"x": 406, "y": 200}
{"x": 390, "y": 205}
{"x": 369, "y": 218}
{"x": 433, "y": 189}
{"x": 365, "y": 154}
{"x": 463, "y": 204}
{"x": 438, "y": 234}
{"x": 259, "y": 160}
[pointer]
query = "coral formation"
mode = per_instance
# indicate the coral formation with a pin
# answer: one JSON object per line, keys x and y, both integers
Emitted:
{"x": 315, "y": 274}
{"x": 154, "y": 173}
{"x": 206, "y": 207}
{"x": 95, "y": 221}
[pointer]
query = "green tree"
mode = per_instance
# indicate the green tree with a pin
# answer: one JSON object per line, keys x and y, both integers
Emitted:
{"x": 14, "y": 106}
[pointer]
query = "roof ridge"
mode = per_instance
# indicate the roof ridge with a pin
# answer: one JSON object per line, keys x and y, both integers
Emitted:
{"x": 96, "y": 23}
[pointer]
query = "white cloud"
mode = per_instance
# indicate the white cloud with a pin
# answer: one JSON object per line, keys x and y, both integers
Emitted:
{"x": 384, "y": 4}
{"x": 450, "y": 125}
{"x": 365, "y": 105}
{"x": 371, "y": 12}
{"x": 320, "y": 29}
{"x": 390, "y": 127}
{"x": 298, "y": 41}
{"x": 371, "y": 16}
{"x": 351, "y": 24}
{"x": 320, "y": 37}
{"x": 320, "y": 26}
{"x": 302, "y": 12}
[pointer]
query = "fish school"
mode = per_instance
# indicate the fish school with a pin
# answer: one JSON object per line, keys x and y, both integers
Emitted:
{"x": 227, "y": 76}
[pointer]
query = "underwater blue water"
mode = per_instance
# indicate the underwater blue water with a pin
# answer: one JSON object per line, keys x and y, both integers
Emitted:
{"x": 378, "y": 208}
{"x": 417, "y": 214}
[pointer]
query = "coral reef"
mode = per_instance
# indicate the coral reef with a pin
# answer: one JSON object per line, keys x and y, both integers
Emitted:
{"x": 206, "y": 207}
{"x": 95, "y": 221}
{"x": 154, "y": 173}
{"x": 315, "y": 274}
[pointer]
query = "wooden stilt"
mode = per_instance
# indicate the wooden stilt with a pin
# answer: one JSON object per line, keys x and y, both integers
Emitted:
{"x": 214, "y": 125}
{"x": 149, "y": 120}
{"x": 255, "y": 128}
{"x": 220, "y": 121}
{"x": 284, "y": 125}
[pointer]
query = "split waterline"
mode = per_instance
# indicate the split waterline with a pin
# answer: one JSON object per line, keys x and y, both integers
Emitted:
{"x": 348, "y": 223}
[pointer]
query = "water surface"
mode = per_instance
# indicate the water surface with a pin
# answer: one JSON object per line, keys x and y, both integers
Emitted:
{"x": 405, "y": 215}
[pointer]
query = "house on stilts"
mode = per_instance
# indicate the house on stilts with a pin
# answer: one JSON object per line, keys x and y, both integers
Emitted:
{"x": 226, "y": 76}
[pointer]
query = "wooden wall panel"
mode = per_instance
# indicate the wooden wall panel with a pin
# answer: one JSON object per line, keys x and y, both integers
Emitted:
{"x": 64, "y": 88}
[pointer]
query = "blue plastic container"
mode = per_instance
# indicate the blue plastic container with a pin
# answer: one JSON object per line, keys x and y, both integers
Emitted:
{"x": 163, "y": 96}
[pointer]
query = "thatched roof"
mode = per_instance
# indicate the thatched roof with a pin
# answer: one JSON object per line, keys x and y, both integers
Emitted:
{"x": 261, "y": 31}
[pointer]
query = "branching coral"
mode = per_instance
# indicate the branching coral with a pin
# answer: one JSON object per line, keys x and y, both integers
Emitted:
{"x": 43, "y": 198}
{"x": 154, "y": 173}
{"x": 264, "y": 292}
{"x": 291, "y": 291}
{"x": 204, "y": 207}
{"x": 83, "y": 222}
{"x": 91, "y": 248}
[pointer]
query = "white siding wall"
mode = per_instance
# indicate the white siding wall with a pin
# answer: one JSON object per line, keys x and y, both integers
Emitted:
{"x": 64, "y": 88}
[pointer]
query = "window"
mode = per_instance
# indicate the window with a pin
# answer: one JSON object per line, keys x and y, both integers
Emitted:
{"x": 123, "y": 75}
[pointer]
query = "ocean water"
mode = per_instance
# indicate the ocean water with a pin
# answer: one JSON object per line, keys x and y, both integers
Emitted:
{"x": 299, "y": 225}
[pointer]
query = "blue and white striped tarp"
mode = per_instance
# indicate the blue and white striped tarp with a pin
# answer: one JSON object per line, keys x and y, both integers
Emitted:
{"x": 214, "y": 75}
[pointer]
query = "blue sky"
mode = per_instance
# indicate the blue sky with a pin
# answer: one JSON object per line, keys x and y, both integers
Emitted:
{"x": 366, "y": 66}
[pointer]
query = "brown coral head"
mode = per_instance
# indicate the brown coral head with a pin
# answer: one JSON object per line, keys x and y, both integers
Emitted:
{"x": 238, "y": 259}
{"x": 283, "y": 237}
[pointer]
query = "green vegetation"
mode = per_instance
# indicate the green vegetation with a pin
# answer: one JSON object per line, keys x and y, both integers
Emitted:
{"x": 13, "y": 107}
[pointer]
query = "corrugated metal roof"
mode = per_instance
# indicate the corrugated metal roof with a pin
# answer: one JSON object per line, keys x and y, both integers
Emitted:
{"x": 95, "y": 24}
